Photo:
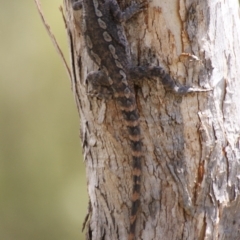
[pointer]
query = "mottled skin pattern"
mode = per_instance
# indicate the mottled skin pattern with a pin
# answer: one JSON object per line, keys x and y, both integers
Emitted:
{"x": 108, "y": 47}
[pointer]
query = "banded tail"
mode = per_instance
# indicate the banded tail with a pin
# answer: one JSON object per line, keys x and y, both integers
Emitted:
{"x": 130, "y": 113}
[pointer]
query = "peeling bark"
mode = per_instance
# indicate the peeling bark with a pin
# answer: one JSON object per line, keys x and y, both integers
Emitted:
{"x": 190, "y": 186}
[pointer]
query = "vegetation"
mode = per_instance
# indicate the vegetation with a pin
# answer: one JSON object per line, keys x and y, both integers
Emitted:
{"x": 42, "y": 179}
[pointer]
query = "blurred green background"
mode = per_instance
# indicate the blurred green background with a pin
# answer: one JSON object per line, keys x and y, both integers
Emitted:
{"x": 42, "y": 177}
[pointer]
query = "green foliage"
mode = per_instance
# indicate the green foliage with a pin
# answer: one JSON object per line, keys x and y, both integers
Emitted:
{"x": 42, "y": 179}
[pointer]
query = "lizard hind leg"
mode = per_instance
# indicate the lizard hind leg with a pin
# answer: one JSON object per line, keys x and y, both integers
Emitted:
{"x": 140, "y": 72}
{"x": 99, "y": 85}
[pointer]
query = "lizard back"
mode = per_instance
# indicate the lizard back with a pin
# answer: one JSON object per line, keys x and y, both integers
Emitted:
{"x": 108, "y": 47}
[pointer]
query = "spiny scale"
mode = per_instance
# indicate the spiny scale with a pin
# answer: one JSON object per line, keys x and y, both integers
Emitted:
{"x": 108, "y": 47}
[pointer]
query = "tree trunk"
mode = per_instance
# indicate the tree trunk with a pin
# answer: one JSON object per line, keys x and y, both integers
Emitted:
{"x": 190, "y": 184}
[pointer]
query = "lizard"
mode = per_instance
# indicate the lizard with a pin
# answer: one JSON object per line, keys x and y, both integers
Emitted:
{"x": 108, "y": 47}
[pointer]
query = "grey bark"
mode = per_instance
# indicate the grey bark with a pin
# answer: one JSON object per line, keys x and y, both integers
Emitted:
{"x": 190, "y": 186}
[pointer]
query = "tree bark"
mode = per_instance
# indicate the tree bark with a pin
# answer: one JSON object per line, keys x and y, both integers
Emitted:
{"x": 190, "y": 184}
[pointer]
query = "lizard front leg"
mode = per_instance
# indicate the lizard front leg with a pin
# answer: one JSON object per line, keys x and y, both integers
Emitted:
{"x": 129, "y": 12}
{"x": 76, "y": 4}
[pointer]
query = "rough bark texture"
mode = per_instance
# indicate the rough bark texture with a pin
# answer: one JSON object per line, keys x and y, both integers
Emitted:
{"x": 190, "y": 185}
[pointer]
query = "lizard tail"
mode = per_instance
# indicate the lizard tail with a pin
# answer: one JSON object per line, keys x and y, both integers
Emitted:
{"x": 131, "y": 117}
